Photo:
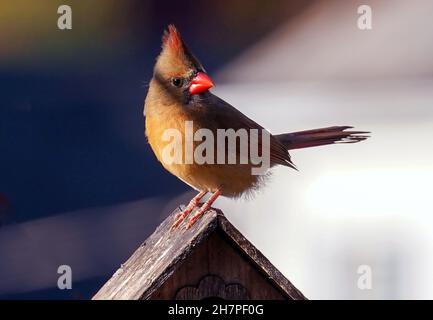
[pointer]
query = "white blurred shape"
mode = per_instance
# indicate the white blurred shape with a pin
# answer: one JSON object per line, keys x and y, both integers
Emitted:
{"x": 371, "y": 193}
{"x": 325, "y": 43}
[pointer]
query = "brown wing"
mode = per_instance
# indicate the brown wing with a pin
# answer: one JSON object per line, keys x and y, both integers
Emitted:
{"x": 225, "y": 116}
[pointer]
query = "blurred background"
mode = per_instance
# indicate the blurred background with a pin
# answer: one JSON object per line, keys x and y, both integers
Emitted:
{"x": 80, "y": 186}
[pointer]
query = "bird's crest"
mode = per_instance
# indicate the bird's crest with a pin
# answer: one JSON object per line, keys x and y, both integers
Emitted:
{"x": 172, "y": 40}
{"x": 175, "y": 53}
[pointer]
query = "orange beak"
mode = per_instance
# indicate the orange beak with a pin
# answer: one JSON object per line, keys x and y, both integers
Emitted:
{"x": 200, "y": 83}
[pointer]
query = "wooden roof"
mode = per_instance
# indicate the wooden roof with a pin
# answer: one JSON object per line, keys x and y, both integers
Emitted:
{"x": 162, "y": 253}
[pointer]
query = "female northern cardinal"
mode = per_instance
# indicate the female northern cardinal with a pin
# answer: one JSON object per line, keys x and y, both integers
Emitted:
{"x": 179, "y": 93}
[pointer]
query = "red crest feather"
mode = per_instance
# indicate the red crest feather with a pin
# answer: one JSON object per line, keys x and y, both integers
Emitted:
{"x": 172, "y": 39}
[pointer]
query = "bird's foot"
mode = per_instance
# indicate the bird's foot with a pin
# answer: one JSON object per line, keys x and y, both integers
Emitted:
{"x": 180, "y": 217}
{"x": 189, "y": 208}
{"x": 203, "y": 209}
{"x": 197, "y": 216}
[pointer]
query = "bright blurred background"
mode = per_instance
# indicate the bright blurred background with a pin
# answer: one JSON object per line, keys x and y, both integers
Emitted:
{"x": 80, "y": 186}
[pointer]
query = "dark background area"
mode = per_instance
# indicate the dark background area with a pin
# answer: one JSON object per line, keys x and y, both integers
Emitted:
{"x": 71, "y": 124}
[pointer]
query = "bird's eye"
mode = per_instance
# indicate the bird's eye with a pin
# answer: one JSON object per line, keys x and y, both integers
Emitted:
{"x": 177, "y": 82}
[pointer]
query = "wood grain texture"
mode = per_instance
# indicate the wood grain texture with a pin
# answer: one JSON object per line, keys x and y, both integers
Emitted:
{"x": 217, "y": 258}
{"x": 171, "y": 260}
{"x": 210, "y": 287}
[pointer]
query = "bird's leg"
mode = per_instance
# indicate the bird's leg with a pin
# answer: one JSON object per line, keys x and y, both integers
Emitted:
{"x": 188, "y": 209}
{"x": 203, "y": 208}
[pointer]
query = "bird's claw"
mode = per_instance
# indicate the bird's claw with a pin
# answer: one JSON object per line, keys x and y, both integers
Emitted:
{"x": 179, "y": 217}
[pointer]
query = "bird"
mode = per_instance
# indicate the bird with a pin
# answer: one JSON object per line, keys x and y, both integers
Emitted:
{"x": 178, "y": 94}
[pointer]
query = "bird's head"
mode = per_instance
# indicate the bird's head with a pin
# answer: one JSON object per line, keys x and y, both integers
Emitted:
{"x": 177, "y": 70}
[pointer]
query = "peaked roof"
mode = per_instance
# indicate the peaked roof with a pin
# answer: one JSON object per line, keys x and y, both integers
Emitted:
{"x": 159, "y": 256}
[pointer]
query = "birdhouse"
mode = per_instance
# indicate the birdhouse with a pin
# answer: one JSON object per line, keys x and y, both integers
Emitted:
{"x": 210, "y": 260}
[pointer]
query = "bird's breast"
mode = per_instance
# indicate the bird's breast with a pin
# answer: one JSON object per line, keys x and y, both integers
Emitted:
{"x": 169, "y": 136}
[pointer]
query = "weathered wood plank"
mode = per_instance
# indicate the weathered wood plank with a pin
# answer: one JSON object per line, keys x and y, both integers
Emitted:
{"x": 257, "y": 258}
{"x": 156, "y": 259}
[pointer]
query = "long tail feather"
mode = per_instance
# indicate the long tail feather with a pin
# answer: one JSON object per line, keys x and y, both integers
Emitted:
{"x": 320, "y": 137}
